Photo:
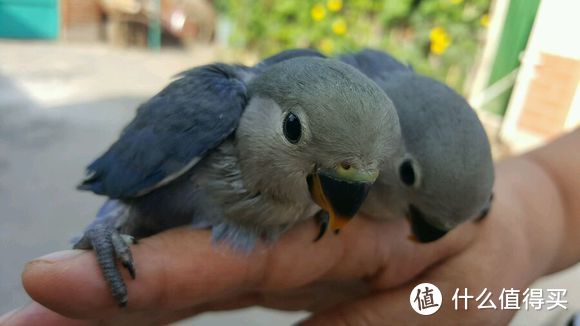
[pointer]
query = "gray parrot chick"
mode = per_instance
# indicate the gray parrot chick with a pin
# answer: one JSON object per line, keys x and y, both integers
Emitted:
{"x": 447, "y": 176}
{"x": 246, "y": 152}
{"x": 325, "y": 129}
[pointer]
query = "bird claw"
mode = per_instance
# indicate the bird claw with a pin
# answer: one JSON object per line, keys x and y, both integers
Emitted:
{"x": 110, "y": 245}
{"x": 121, "y": 244}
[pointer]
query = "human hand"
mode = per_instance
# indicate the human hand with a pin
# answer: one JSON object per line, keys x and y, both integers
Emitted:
{"x": 364, "y": 276}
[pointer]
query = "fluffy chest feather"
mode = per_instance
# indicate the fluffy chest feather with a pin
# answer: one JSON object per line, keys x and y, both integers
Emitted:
{"x": 222, "y": 178}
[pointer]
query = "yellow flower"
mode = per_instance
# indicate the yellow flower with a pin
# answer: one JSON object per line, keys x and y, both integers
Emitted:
{"x": 456, "y": 2}
{"x": 339, "y": 27}
{"x": 326, "y": 46}
{"x": 318, "y": 12}
{"x": 334, "y": 5}
{"x": 484, "y": 20}
{"x": 440, "y": 40}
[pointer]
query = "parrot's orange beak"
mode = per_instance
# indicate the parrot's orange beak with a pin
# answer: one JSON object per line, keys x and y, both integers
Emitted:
{"x": 340, "y": 196}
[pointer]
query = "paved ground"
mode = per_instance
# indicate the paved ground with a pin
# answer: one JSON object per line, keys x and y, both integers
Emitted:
{"x": 60, "y": 105}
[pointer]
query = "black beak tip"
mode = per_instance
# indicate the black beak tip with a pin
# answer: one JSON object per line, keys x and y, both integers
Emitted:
{"x": 323, "y": 220}
{"x": 422, "y": 230}
{"x": 345, "y": 197}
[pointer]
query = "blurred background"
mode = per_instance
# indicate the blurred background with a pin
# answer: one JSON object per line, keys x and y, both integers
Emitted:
{"x": 73, "y": 71}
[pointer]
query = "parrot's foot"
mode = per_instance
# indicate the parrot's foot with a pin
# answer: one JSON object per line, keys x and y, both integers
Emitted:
{"x": 109, "y": 244}
{"x": 323, "y": 219}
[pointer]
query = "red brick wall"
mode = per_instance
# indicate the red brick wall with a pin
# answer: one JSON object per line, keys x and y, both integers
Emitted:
{"x": 550, "y": 95}
{"x": 79, "y": 12}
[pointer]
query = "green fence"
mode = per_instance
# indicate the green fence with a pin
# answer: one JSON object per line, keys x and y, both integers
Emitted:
{"x": 514, "y": 38}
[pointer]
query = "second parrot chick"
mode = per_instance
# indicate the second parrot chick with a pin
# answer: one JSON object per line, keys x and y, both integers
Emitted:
{"x": 446, "y": 178}
{"x": 244, "y": 151}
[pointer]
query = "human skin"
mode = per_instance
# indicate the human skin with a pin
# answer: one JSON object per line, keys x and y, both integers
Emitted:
{"x": 361, "y": 277}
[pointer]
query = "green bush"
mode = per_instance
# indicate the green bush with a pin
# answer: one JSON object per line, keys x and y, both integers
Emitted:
{"x": 437, "y": 37}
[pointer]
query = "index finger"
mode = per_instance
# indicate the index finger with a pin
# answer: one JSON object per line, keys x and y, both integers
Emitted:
{"x": 177, "y": 269}
{"x": 182, "y": 268}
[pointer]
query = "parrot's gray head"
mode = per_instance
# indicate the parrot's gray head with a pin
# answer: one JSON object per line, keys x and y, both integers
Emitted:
{"x": 447, "y": 176}
{"x": 320, "y": 126}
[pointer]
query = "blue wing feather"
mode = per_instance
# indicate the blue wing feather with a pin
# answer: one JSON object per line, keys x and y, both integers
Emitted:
{"x": 171, "y": 131}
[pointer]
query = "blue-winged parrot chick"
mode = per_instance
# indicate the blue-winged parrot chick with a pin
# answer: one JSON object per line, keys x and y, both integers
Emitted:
{"x": 447, "y": 175}
{"x": 247, "y": 152}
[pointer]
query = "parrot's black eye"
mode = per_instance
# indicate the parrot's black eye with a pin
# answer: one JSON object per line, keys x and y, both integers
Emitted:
{"x": 292, "y": 128}
{"x": 407, "y": 173}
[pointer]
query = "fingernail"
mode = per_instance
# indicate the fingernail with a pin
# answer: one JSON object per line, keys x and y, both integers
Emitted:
{"x": 6, "y": 317}
{"x": 60, "y": 255}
